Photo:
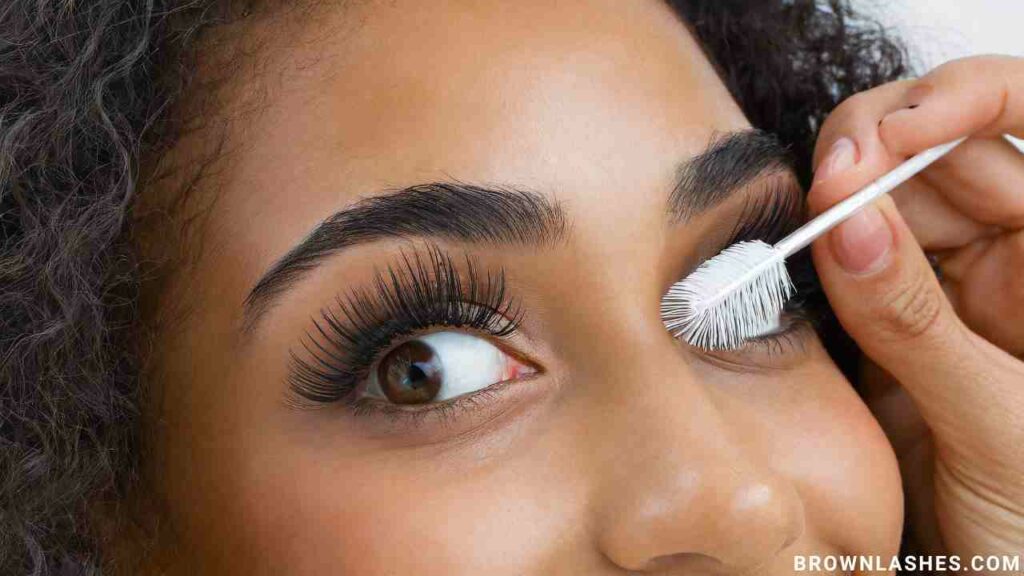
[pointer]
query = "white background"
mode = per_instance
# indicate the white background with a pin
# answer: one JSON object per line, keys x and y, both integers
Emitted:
{"x": 940, "y": 30}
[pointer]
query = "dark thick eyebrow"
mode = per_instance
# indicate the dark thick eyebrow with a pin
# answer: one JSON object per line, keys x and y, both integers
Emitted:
{"x": 731, "y": 161}
{"x": 489, "y": 215}
{"x": 448, "y": 210}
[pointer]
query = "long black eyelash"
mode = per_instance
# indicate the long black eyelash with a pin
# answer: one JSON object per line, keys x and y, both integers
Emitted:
{"x": 418, "y": 292}
{"x": 771, "y": 217}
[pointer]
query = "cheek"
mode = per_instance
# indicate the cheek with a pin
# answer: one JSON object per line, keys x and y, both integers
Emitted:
{"x": 405, "y": 516}
{"x": 319, "y": 497}
{"x": 827, "y": 441}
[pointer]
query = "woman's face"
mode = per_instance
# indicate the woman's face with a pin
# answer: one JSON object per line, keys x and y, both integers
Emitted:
{"x": 423, "y": 332}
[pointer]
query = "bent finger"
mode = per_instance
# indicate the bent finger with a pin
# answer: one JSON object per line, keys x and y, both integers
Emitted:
{"x": 887, "y": 298}
{"x": 993, "y": 302}
{"x": 982, "y": 178}
{"x": 937, "y": 224}
{"x": 857, "y": 118}
{"x": 982, "y": 95}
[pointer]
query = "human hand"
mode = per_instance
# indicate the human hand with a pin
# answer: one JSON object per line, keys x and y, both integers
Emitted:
{"x": 955, "y": 347}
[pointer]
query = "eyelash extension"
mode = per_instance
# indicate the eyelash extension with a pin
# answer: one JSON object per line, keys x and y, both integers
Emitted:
{"x": 770, "y": 217}
{"x": 416, "y": 293}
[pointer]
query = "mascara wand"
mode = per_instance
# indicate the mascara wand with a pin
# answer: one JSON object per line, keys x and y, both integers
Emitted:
{"x": 740, "y": 293}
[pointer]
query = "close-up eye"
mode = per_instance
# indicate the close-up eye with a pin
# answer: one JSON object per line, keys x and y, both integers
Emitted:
{"x": 800, "y": 318}
{"x": 389, "y": 345}
{"x": 733, "y": 302}
{"x": 439, "y": 367}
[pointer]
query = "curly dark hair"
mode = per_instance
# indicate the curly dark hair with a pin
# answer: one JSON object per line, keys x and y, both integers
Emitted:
{"x": 88, "y": 94}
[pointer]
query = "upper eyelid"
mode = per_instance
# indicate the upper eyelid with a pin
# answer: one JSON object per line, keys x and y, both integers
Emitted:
{"x": 342, "y": 332}
{"x": 770, "y": 210}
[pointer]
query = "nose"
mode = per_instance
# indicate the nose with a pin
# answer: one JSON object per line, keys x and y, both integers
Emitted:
{"x": 689, "y": 489}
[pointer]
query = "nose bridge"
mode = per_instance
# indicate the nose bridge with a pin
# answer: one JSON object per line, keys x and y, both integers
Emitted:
{"x": 681, "y": 486}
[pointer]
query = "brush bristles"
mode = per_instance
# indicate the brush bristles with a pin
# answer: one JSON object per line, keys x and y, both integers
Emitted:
{"x": 729, "y": 298}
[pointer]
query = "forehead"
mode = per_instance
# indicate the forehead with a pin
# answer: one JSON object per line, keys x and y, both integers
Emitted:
{"x": 592, "y": 101}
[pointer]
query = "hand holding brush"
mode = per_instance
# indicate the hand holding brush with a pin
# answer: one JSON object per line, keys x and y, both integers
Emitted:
{"x": 943, "y": 365}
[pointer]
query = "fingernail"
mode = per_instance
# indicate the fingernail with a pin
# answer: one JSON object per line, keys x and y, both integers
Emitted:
{"x": 842, "y": 156}
{"x": 861, "y": 244}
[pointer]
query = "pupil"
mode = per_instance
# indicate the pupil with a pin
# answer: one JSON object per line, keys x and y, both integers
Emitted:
{"x": 411, "y": 374}
{"x": 417, "y": 377}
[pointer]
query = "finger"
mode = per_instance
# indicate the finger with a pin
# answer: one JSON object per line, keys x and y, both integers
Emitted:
{"x": 857, "y": 118}
{"x": 982, "y": 95}
{"x": 936, "y": 223}
{"x": 978, "y": 177}
{"x": 992, "y": 303}
{"x": 887, "y": 298}
{"x": 979, "y": 265}
{"x": 982, "y": 179}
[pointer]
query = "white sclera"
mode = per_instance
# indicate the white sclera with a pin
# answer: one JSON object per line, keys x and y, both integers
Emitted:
{"x": 468, "y": 364}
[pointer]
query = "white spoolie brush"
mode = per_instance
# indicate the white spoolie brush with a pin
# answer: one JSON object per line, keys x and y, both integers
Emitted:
{"x": 740, "y": 293}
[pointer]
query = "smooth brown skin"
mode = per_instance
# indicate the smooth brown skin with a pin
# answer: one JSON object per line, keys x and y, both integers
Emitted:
{"x": 629, "y": 453}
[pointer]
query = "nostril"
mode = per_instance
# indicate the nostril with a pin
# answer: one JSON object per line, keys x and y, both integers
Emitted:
{"x": 687, "y": 562}
{"x": 796, "y": 530}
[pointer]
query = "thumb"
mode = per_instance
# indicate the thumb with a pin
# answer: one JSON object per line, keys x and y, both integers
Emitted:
{"x": 885, "y": 294}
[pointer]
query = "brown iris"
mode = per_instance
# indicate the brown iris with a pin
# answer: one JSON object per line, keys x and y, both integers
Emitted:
{"x": 410, "y": 374}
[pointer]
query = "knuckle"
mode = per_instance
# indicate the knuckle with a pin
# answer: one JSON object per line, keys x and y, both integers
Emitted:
{"x": 913, "y": 309}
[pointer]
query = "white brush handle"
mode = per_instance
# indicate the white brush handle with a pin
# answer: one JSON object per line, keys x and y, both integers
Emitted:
{"x": 835, "y": 215}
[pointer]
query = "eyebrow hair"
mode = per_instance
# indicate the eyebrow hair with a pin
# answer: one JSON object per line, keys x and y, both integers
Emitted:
{"x": 450, "y": 210}
{"x": 730, "y": 162}
{"x": 500, "y": 215}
